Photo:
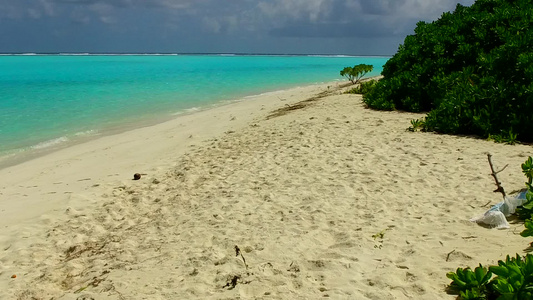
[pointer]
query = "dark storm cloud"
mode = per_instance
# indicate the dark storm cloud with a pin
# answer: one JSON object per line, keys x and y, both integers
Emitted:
{"x": 210, "y": 25}
{"x": 332, "y": 30}
{"x": 351, "y": 19}
{"x": 381, "y": 7}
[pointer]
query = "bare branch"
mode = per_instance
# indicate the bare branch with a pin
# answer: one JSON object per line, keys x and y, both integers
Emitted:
{"x": 494, "y": 174}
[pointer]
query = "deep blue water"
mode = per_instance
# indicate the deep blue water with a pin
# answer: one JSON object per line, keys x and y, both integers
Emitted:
{"x": 52, "y": 99}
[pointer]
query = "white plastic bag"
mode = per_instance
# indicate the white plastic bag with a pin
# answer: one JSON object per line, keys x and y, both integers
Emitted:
{"x": 495, "y": 216}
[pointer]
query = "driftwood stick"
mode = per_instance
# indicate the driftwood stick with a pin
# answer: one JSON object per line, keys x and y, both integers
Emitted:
{"x": 494, "y": 174}
{"x": 237, "y": 252}
{"x": 448, "y": 256}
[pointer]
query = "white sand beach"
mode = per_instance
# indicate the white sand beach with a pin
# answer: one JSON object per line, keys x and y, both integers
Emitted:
{"x": 323, "y": 199}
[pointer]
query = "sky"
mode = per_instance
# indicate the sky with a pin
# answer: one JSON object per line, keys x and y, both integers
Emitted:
{"x": 350, "y": 27}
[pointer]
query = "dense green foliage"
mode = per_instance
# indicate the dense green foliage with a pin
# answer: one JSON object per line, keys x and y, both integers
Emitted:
{"x": 514, "y": 280}
{"x": 364, "y": 87}
{"x": 471, "y": 70}
{"x": 355, "y": 73}
{"x": 527, "y": 169}
{"x": 525, "y": 212}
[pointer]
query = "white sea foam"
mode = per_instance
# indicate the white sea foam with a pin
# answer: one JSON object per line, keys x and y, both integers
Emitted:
{"x": 75, "y": 54}
{"x": 135, "y": 54}
{"x": 86, "y": 133}
{"x": 188, "y": 110}
{"x": 348, "y": 56}
{"x": 192, "y": 109}
{"x": 326, "y": 55}
{"x": 50, "y": 143}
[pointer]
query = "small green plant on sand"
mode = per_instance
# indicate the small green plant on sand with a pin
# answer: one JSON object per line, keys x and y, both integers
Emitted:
{"x": 379, "y": 236}
{"x": 355, "y": 73}
{"x": 470, "y": 284}
{"x": 509, "y": 138}
{"x": 416, "y": 124}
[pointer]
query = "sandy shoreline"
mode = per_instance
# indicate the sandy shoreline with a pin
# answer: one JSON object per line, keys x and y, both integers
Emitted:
{"x": 121, "y": 155}
{"x": 18, "y": 156}
{"x": 304, "y": 195}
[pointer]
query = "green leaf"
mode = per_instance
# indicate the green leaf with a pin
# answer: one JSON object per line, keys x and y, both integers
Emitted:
{"x": 526, "y": 233}
{"x": 471, "y": 294}
{"x": 514, "y": 270}
{"x": 527, "y": 169}
{"x": 503, "y": 287}
{"x": 487, "y": 277}
{"x": 499, "y": 270}
{"x": 461, "y": 284}
{"x": 451, "y": 275}
{"x": 480, "y": 273}
{"x": 528, "y": 205}
{"x": 528, "y": 224}
{"x": 529, "y": 195}
{"x": 471, "y": 278}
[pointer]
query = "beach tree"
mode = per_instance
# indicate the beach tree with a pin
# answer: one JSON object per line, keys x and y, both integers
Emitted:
{"x": 356, "y": 73}
{"x": 471, "y": 71}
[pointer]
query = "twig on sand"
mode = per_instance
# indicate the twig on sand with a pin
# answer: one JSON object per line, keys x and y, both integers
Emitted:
{"x": 486, "y": 204}
{"x": 494, "y": 174}
{"x": 237, "y": 252}
{"x": 448, "y": 257}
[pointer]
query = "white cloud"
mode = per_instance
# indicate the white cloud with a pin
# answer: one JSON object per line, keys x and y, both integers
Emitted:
{"x": 428, "y": 9}
{"x": 34, "y": 13}
{"x": 311, "y": 10}
{"x": 108, "y": 19}
{"x": 211, "y": 25}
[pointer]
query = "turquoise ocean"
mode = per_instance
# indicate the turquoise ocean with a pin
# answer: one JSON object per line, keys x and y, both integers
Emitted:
{"x": 49, "y": 101}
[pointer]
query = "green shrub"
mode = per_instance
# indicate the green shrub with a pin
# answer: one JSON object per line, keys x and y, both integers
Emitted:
{"x": 471, "y": 70}
{"x": 525, "y": 212}
{"x": 364, "y": 87}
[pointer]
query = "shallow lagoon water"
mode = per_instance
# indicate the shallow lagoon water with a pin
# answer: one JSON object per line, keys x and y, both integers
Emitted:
{"x": 50, "y": 100}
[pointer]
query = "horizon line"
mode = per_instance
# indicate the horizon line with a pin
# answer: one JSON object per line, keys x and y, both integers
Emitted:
{"x": 182, "y": 53}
